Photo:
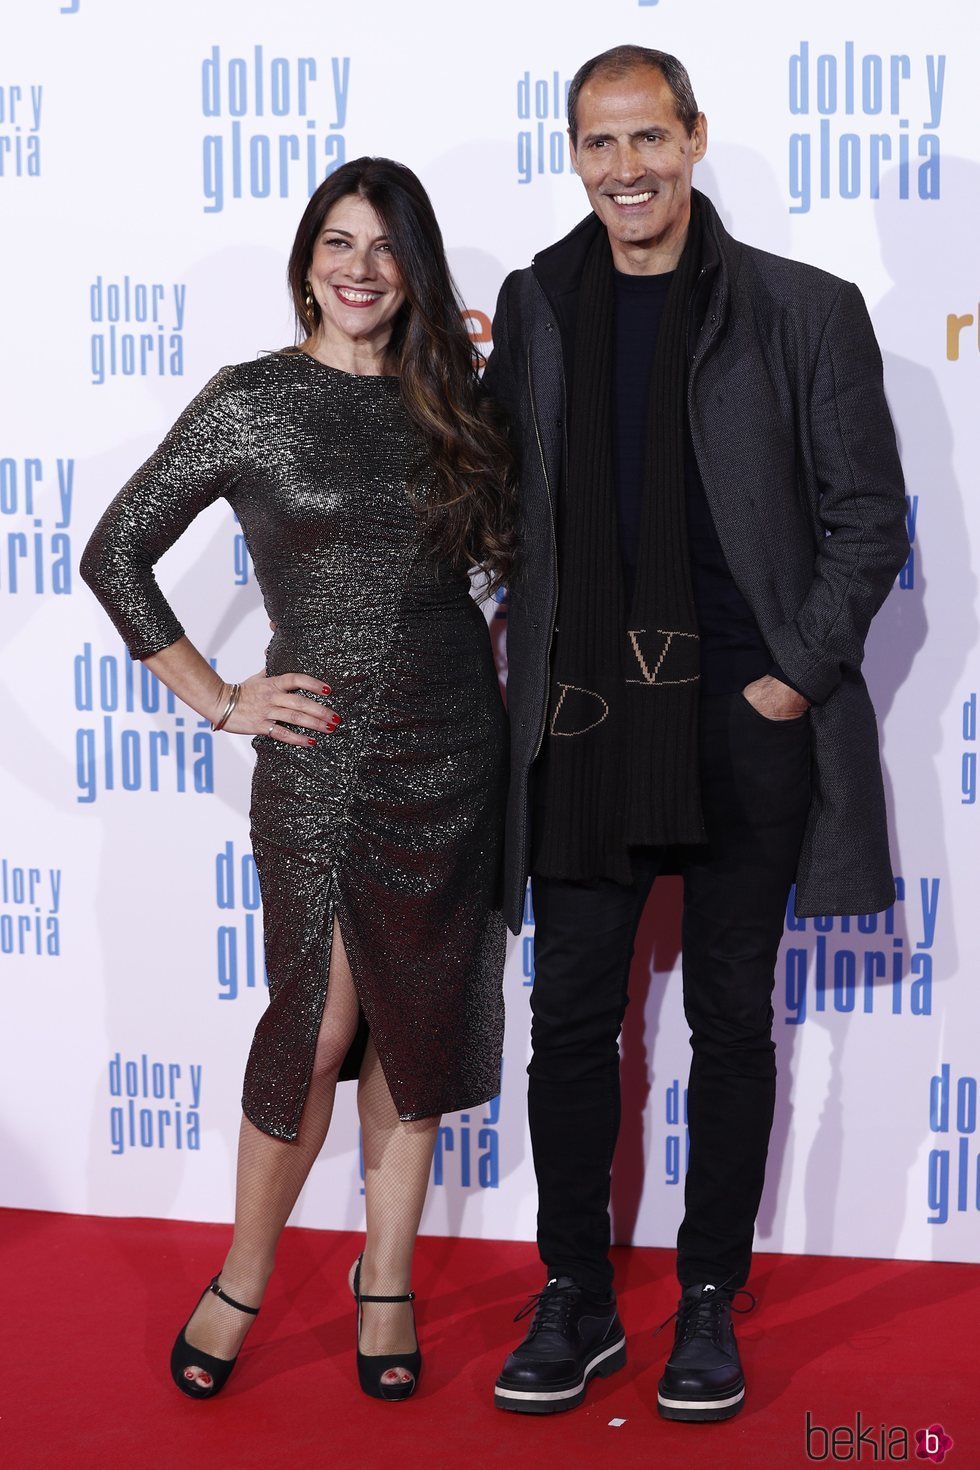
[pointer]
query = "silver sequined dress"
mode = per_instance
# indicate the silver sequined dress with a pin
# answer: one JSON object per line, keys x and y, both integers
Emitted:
{"x": 391, "y": 823}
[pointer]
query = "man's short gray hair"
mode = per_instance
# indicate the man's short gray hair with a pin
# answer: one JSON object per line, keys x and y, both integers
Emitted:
{"x": 619, "y": 62}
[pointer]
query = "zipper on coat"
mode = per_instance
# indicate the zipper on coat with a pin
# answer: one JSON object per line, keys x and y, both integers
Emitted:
{"x": 551, "y": 505}
{"x": 554, "y": 606}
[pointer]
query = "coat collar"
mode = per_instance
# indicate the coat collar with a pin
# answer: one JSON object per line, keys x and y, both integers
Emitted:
{"x": 559, "y": 267}
{"x": 558, "y": 270}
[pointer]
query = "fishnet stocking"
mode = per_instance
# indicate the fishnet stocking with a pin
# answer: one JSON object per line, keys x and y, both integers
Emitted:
{"x": 397, "y": 1159}
{"x": 271, "y": 1173}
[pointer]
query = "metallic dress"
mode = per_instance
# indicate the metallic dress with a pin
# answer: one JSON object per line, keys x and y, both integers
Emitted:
{"x": 391, "y": 823}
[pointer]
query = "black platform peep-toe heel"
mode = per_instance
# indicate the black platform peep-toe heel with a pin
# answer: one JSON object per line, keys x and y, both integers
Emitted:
{"x": 185, "y": 1357}
{"x": 371, "y": 1368}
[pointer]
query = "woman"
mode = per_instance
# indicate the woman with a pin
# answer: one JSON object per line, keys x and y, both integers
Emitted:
{"x": 368, "y": 477}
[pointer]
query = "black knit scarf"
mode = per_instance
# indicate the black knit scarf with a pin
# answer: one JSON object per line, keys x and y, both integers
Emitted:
{"x": 620, "y": 764}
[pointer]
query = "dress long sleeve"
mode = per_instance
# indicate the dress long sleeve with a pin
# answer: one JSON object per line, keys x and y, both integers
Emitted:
{"x": 388, "y": 829}
{"x": 198, "y": 461}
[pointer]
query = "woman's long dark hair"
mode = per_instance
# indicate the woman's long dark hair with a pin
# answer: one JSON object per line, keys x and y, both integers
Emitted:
{"x": 471, "y": 506}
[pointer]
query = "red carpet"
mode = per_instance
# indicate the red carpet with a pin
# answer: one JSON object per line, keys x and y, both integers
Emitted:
{"x": 91, "y": 1306}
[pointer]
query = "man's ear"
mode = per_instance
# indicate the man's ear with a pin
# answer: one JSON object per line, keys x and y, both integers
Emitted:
{"x": 699, "y": 137}
{"x": 572, "y": 151}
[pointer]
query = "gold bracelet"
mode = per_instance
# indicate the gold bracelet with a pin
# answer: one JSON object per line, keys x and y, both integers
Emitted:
{"x": 229, "y": 708}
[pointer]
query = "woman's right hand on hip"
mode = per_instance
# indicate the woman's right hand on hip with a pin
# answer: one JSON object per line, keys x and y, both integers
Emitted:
{"x": 266, "y": 706}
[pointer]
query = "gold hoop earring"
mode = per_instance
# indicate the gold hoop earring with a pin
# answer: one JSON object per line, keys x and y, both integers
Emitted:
{"x": 308, "y": 299}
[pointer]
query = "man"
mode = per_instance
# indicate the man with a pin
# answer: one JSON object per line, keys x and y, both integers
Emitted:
{"x": 713, "y": 511}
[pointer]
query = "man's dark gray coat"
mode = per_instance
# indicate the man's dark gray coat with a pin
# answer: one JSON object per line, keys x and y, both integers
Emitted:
{"x": 796, "y": 449}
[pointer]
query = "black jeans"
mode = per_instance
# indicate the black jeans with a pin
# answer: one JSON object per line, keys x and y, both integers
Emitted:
{"x": 755, "y": 780}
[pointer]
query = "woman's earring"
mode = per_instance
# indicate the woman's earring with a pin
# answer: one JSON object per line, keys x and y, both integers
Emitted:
{"x": 309, "y": 299}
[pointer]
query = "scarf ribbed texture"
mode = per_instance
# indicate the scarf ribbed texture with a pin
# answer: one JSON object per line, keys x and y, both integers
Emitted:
{"x": 620, "y": 763}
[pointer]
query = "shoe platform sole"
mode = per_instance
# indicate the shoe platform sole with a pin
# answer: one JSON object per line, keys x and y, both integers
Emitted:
{"x": 705, "y": 1410}
{"x": 556, "y": 1401}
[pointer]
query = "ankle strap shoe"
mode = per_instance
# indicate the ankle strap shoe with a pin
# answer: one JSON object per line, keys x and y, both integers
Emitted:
{"x": 373, "y": 1367}
{"x": 184, "y": 1357}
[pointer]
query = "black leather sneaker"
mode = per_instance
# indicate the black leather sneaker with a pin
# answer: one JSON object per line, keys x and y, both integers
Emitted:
{"x": 703, "y": 1376}
{"x": 572, "y": 1338}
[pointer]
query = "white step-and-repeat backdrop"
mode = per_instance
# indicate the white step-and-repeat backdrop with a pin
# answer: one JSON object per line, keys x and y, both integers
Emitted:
{"x": 154, "y": 162}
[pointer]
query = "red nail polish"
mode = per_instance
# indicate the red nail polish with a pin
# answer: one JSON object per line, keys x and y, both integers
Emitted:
{"x": 335, "y": 722}
{"x": 311, "y": 742}
{"x": 326, "y": 689}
